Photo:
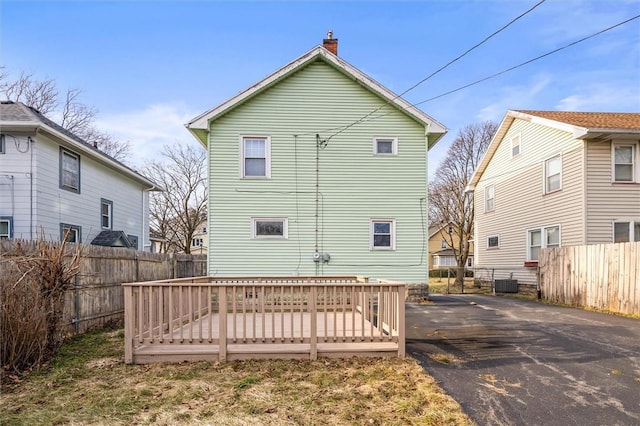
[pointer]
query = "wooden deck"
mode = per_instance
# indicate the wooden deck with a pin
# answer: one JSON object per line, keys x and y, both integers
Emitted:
{"x": 176, "y": 320}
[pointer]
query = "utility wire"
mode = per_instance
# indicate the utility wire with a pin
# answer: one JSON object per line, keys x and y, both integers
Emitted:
{"x": 440, "y": 69}
{"x": 517, "y": 66}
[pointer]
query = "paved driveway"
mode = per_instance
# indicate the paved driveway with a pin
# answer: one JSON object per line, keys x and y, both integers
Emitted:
{"x": 515, "y": 362}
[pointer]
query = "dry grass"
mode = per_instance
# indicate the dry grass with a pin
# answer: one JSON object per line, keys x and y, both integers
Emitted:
{"x": 89, "y": 384}
{"x": 439, "y": 286}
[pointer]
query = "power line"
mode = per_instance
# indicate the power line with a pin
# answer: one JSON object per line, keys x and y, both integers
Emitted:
{"x": 440, "y": 69}
{"x": 527, "y": 62}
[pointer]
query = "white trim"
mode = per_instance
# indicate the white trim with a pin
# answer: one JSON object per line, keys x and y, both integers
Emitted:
{"x": 543, "y": 238}
{"x": 394, "y": 145}
{"x": 285, "y": 228}
{"x": 201, "y": 122}
{"x": 486, "y": 198}
{"x": 517, "y": 137}
{"x": 634, "y": 161}
{"x": 545, "y": 189}
{"x": 267, "y": 153}
{"x": 493, "y": 236}
{"x": 372, "y": 222}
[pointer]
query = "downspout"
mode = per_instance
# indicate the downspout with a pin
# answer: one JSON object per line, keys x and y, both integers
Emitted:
{"x": 317, "y": 200}
{"x": 148, "y": 191}
{"x": 425, "y": 242}
{"x": 30, "y": 145}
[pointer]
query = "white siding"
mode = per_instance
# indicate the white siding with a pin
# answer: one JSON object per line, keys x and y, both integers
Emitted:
{"x": 53, "y": 205}
{"x": 606, "y": 201}
{"x": 520, "y": 201}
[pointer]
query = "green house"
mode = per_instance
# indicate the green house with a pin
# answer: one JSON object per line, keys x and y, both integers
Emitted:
{"x": 317, "y": 170}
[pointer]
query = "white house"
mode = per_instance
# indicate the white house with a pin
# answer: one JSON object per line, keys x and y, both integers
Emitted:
{"x": 52, "y": 181}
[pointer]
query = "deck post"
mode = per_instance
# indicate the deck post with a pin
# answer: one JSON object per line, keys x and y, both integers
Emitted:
{"x": 401, "y": 333}
{"x": 222, "y": 323}
{"x": 128, "y": 324}
{"x": 313, "y": 354}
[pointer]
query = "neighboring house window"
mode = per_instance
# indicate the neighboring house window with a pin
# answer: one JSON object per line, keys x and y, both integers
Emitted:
{"x": 624, "y": 232}
{"x": 73, "y": 233}
{"x": 269, "y": 228}
{"x": 443, "y": 244}
{"x": 540, "y": 238}
{"x": 383, "y": 234}
{"x": 69, "y": 171}
{"x": 196, "y": 242}
{"x": 489, "y": 199}
{"x": 553, "y": 174}
{"x": 623, "y": 163}
{"x": 515, "y": 146}
{"x": 106, "y": 214}
{"x": 3, "y": 148}
{"x": 469, "y": 262}
{"x": 133, "y": 241}
{"x": 6, "y": 227}
{"x": 256, "y": 157}
{"x": 441, "y": 261}
{"x": 493, "y": 241}
{"x": 385, "y": 146}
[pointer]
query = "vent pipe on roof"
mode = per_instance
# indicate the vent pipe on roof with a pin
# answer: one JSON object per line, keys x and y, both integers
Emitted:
{"x": 330, "y": 43}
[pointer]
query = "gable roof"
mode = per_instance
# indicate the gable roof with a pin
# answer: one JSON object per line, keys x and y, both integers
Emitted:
{"x": 434, "y": 229}
{"x": 582, "y": 125}
{"x": 111, "y": 239}
{"x": 199, "y": 126}
{"x": 16, "y": 116}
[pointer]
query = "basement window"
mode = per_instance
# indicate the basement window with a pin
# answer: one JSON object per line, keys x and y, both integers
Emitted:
{"x": 276, "y": 228}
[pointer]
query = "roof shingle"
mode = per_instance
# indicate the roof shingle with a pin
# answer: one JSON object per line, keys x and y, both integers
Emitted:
{"x": 592, "y": 120}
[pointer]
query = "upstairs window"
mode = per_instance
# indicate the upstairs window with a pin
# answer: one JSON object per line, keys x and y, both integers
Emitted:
{"x": 540, "y": 238}
{"x": 515, "y": 146}
{"x": 382, "y": 234}
{"x": 6, "y": 227}
{"x": 624, "y": 162}
{"x": 553, "y": 174}
{"x": 493, "y": 241}
{"x": 256, "y": 157}
{"x": 443, "y": 244}
{"x": 69, "y": 171}
{"x": 3, "y": 148}
{"x": 196, "y": 242}
{"x": 385, "y": 146}
{"x": 624, "y": 232}
{"x": 269, "y": 228}
{"x": 106, "y": 214}
{"x": 489, "y": 199}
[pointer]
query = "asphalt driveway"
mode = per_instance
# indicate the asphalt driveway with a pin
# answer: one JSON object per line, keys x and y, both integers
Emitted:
{"x": 517, "y": 362}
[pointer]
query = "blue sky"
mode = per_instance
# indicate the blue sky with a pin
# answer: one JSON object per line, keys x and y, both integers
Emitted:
{"x": 150, "y": 66}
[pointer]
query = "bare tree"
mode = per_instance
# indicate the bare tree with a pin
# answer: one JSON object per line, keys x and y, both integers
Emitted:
{"x": 78, "y": 118}
{"x": 178, "y": 211}
{"x": 448, "y": 201}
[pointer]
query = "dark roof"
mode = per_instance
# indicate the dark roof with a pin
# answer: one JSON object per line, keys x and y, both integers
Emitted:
{"x": 447, "y": 252}
{"x": 11, "y": 111}
{"x": 592, "y": 120}
{"x": 111, "y": 239}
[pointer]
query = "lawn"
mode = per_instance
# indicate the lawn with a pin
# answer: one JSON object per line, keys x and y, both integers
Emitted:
{"x": 89, "y": 384}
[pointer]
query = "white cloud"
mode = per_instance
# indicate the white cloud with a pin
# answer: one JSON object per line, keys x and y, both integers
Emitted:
{"x": 601, "y": 97}
{"x": 149, "y": 129}
{"x": 515, "y": 97}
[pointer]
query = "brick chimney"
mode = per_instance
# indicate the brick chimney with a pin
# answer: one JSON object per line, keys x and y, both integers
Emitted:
{"x": 330, "y": 43}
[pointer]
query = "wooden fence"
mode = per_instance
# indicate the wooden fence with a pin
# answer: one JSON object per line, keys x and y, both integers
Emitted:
{"x": 97, "y": 298}
{"x": 218, "y": 319}
{"x": 603, "y": 276}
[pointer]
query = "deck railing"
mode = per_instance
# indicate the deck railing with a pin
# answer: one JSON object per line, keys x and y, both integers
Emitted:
{"x": 229, "y": 318}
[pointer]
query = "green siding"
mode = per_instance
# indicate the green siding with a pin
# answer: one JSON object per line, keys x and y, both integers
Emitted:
{"x": 354, "y": 184}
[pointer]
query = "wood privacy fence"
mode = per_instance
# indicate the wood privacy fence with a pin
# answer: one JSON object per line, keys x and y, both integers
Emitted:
{"x": 218, "y": 319}
{"x": 96, "y": 297}
{"x": 603, "y": 276}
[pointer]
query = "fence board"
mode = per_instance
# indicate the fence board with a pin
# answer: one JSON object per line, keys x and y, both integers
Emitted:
{"x": 603, "y": 276}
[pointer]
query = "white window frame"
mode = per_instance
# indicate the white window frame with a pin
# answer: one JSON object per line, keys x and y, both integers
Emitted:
{"x": 392, "y": 230}
{"x": 443, "y": 244}
{"x": 197, "y": 242}
{"x": 267, "y": 153}
{"x": 394, "y": 145}
{"x": 546, "y": 175}
{"x": 108, "y": 215}
{"x": 631, "y": 223}
{"x": 254, "y": 228}
{"x": 634, "y": 161}
{"x": 488, "y": 208}
{"x": 490, "y": 247}
{"x": 9, "y": 221}
{"x": 516, "y": 142}
{"x": 543, "y": 239}
{"x": 77, "y": 230}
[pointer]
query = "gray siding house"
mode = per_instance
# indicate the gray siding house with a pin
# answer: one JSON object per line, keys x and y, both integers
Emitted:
{"x": 552, "y": 178}
{"x": 317, "y": 170}
{"x": 53, "y": 182}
